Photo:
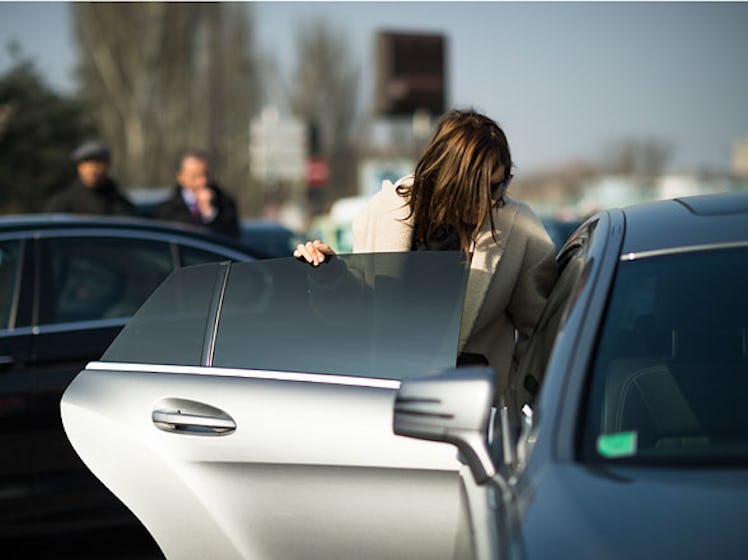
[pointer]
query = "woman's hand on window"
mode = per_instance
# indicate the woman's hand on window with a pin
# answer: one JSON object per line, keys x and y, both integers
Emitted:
{"x": 314, "y": 252}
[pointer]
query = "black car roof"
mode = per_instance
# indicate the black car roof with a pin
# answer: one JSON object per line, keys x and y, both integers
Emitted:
{"x": 30, "y": 222}
{"x": 714, "y": 219}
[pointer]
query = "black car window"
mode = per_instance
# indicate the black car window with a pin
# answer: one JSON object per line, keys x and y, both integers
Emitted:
{"x": 190, "y": 256}
{"x": 670, "y": 376}
{"x": 89, "y": 278}
{"x": 170, "y": 327}
{"x": 9, "y": 262}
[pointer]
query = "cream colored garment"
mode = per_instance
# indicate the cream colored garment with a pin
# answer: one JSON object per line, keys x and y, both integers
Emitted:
{"x": 495, "y": 304}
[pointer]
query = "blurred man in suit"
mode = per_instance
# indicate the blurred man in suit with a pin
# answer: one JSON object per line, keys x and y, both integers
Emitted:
{"x": 197, "y": 199}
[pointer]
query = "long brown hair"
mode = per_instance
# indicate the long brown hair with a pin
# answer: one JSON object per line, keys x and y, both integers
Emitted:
{"x": 452, "y": 184}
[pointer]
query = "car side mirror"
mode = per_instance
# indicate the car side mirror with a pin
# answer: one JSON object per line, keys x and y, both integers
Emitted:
{"x": 453, "y": 407}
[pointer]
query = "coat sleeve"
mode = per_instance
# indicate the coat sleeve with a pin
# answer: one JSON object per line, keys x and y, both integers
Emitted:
{"x": 227, "y": 219}
{"x": 383, "y": 223}
{"x": 58, "y": 203}
{"x": 123, "y": 206}
{"x": 535, "y": 281}
{"x": 172, "y": 209}
{"x": 364, "y": 225}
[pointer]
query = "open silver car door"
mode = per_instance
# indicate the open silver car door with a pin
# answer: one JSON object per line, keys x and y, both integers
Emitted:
{"x": 246, "y": 410}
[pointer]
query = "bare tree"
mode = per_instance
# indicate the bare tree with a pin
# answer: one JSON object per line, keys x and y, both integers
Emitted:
{"x": 324, "y": 94}
{"x": 234, "y": 99}
{"x": 162, "y": 76}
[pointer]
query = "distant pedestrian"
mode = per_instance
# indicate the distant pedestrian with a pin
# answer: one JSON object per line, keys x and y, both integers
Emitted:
{"x": 93, "y": 191}
{"x": 197, "y": 199}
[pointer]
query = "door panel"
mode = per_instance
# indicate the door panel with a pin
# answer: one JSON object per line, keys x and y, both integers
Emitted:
{"x": 16, "y": 431}
{"x": 64, "y": 484}
{"x": 312, "y": 470}
{"x": 89, "y": 286}
{"x": 16, "y": 434}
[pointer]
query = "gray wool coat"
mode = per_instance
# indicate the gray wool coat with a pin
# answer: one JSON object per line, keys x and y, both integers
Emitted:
{"x": 508, "y": 284}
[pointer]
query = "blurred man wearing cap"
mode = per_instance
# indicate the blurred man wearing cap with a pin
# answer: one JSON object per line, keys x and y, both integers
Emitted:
{"x": 93, "y": 192}
{"x": 197, "y": 199}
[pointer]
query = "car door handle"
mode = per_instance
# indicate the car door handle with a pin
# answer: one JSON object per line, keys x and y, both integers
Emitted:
{"x": 195, "y": 424}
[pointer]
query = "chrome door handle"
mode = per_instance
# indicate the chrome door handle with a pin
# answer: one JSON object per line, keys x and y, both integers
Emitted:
{"x": 195, "y": 424}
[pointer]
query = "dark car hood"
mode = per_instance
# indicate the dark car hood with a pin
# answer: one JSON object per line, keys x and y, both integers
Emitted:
{"x": 575, "y": 512}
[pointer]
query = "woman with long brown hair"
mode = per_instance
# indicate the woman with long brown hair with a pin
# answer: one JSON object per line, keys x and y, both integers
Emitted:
{"x": 456, "y": 201}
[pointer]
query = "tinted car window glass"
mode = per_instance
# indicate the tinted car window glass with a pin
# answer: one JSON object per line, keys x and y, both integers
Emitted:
{"x": 270, "y": 239}
{"x": 98, "y": 277}
{"x": 385, "y": 315}
{"x": 171, "y": 326}
{"x": 9, "y": 256}
{"x": 670, "y": 379}
{"x": 190, "y": 256}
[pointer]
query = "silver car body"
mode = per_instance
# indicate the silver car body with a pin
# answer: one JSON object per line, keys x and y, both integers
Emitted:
{"x": 223, "y": 461}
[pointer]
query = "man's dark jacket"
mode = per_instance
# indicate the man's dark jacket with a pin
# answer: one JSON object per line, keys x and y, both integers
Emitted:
{"x": 226, "y": 221}
{"x": 80, "y": 199}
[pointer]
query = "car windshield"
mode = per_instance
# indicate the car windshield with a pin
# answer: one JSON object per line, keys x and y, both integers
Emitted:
{"x": 384, "y": 315}
{"x": 670, "y": 377}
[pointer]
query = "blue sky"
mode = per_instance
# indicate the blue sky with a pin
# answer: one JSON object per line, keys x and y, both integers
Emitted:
{"x": 565, "y": 80}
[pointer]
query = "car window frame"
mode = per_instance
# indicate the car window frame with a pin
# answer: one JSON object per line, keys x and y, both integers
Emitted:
{"x": 44, "y": 295}
{"x": 17, "y": 286}
{"x": 567, "y": 369}
{"x": 171, "y": 239}
{"x": 26, "y": 288}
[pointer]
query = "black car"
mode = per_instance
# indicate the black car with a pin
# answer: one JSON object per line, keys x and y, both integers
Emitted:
{"x": 268, "y": 237}
{"x": 560, "y": 230}
{"x": 632, "y": 440}
{"x": 67, "y": 287}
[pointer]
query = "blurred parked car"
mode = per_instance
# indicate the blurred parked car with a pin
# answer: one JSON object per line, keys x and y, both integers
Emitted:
{"x": 336, "y": 227}
{"x": 264, "y": 238}
{"x": 268, "y": 237}
{"x": 560, "y": 230}
{"x": 271, "y": 433}
{"x": 67, "y": 286}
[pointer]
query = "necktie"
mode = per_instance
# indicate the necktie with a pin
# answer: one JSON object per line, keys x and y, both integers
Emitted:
{"x": 195, "y": 210}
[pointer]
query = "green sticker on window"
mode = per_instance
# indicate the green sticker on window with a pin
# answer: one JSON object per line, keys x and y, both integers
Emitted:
{"x": 622, "y": 444}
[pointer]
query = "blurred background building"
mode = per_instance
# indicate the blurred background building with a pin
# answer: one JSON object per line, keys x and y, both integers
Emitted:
{"x": 304, "y": 132}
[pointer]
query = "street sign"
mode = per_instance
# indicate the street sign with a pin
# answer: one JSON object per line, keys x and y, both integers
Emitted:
{"x": 318, "y": 172}
{"x": 277, "y": 147}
